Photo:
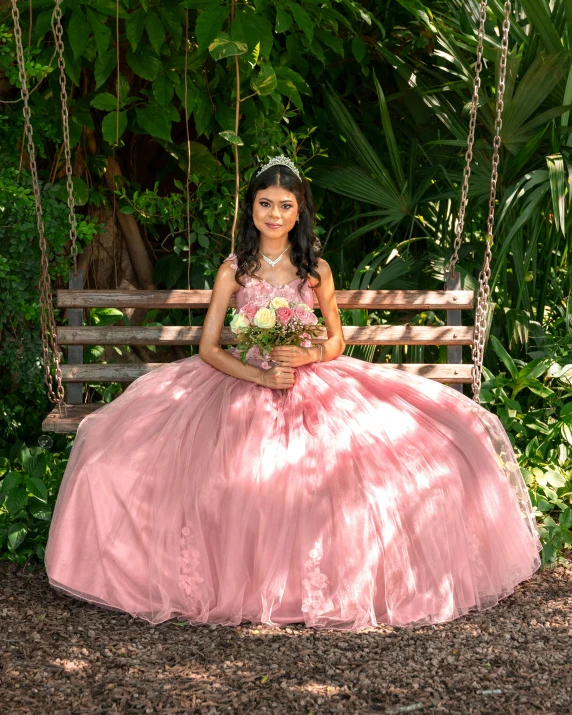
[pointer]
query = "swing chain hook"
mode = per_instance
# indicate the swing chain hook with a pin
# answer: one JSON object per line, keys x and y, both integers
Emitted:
{"x": 47, "y": 320}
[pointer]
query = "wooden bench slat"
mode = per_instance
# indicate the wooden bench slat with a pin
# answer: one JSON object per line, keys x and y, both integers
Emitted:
{"x": 129, "y": 372}
{"x": 454, "y": 374}
{"x": 190, "y": 335}
{"x": 417, "y": 300}
{"x": 75, "y": 414}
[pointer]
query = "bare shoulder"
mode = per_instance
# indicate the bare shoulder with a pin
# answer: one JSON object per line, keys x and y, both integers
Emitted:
{"x": 225, "y": 276}
{"x": 226, "y": 269}
{"x": 325, "y": 272}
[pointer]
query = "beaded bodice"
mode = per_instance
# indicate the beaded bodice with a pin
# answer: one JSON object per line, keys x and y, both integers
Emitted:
{"x": 260, "y": 292}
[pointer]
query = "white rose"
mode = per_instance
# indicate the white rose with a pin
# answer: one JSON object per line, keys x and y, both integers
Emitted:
{"x": 239, "y": 322}
{"x": 279, "y": 302}
{"x": 265, "y": 318}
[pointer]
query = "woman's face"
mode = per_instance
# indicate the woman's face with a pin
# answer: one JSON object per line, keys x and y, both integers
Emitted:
{"x": 274, "y": 212}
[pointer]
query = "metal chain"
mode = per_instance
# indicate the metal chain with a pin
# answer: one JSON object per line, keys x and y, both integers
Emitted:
{"x": 470, "y": 141}
{"x": 58, "y": 35}
{"x": 485, "y": 274}
{"x": 47, "y": 320}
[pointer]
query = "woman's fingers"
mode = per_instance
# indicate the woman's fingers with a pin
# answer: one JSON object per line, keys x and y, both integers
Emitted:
{"x": 282, "y": 377}
{"x": 284, "y": 350}
{"x": 285, "y": 376}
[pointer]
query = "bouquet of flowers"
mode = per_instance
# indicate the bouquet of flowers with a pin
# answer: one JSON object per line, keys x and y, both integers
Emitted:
{"x": 278, "y": 322}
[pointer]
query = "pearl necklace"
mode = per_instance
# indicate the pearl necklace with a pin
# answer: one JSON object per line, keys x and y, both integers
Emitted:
{"x": 271, "y": 262}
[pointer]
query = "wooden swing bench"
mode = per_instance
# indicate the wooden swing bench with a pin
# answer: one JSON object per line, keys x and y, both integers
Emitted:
{"x": 75, "y": 335}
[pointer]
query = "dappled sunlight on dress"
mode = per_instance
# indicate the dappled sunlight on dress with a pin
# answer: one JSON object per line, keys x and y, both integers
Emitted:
{"x": 360, "y": 496}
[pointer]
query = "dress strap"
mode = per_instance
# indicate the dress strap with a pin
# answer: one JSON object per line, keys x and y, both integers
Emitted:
{"x": 232, "y": 259}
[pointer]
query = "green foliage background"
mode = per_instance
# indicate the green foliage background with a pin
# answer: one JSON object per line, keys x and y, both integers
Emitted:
{"x": 371, "y": 98}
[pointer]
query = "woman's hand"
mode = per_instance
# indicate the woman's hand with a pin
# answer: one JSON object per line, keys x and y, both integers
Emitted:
{"x": 278, "y": 378}
{"x": 288, "y": 357}
{"x": 291, "y": 355}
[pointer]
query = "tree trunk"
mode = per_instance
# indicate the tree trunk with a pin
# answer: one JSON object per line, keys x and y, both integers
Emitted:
{"x": 135, "y": 245}
{"x": 107, "y": 264}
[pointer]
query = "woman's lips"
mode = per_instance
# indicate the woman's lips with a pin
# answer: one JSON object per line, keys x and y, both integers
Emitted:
{"x": 273, "y": 225}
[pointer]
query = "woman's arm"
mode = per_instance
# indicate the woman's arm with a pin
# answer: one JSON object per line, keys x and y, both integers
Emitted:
{"x": 210, "y": 349}
{"x": 334, "y": 346}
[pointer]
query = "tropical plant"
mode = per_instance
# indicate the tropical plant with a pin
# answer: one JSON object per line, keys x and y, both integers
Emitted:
{"x": 30, "y": 479}
{"x": 532, "y": 280}
{"x": 534, "y": 403}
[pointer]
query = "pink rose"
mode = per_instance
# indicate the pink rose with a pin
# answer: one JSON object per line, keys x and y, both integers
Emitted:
{"x": 260, "y": 300}
{"x": 302, "y": 315}
{"x": 284, "y": 315}
{"x": 249, "y": 310}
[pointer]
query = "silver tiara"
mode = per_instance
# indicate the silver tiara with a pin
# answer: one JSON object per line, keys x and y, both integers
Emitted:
{"x": 281, "y": 161}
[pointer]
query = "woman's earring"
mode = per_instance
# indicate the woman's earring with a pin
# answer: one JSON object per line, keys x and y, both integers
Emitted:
{"x": 298, "y": 219}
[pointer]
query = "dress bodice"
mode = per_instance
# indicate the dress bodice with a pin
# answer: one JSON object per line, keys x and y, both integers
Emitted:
{"x": 260, "y": 291}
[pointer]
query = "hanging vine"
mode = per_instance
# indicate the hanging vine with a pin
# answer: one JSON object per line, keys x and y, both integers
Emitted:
{"x": 235, "y": 146}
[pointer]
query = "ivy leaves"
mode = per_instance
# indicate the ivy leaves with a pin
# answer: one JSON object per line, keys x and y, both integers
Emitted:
{"x": 78, "y": 32}
{"x": 113, "y": 126}
{"x": 115, "y": 122}
{"x": 223, "y": 46}
{"x": 153, "y": 120}
{"x": 145, "y": 62}
{"x": 265, "y": 82}
{"x": 209, "y": 25}
{"x": 163, "y": 90}
{"x": 302, "y": 19}
{"x": 101, "y": 32}
{"x": 151, "y": 41}
{"x": 26, "y": 499}
{"x": 134, "y": 26}
{"x": 104, "y": 66}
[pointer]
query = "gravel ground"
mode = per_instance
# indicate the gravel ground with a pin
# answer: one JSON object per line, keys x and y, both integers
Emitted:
{"x": 61, "y": 655}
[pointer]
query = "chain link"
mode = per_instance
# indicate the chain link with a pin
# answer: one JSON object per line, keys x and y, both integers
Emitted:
{"x": 470, "y": 141}
{"x": 485, "y": 274}
{"x": 58, "y": 35}
{"x": 47, "y": 320}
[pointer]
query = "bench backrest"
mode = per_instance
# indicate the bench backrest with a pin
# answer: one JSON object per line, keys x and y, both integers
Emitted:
{"x": 76, "y": 335}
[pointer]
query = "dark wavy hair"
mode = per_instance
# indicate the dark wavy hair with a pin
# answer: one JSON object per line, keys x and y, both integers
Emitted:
{"x": 306, "y": 246}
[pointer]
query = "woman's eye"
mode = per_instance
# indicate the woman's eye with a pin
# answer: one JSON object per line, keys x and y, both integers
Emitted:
{"x": 286, "y": 207}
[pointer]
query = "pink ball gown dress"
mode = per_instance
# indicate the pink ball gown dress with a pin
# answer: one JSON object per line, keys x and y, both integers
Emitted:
{"x": 360, "y": 496}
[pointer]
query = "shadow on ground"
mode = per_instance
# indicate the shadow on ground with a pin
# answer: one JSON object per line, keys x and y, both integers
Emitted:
{"x": 62, "y": 656}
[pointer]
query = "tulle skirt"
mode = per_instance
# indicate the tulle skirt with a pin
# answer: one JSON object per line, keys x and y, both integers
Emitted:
{"x": 360, "y": 496}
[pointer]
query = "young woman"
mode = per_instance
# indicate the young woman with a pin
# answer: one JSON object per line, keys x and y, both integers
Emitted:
{"x": 318, "y": 489}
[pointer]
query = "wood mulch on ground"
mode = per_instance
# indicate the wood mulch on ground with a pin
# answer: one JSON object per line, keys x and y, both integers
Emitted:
{"x": 61, "y": 655}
